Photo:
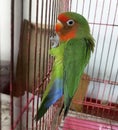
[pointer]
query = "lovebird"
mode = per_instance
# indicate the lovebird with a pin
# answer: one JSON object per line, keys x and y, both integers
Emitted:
{"x": 71, "y": 57}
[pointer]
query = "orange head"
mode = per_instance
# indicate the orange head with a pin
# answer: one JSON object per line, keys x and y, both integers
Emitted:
{"x": 66, "y": 27}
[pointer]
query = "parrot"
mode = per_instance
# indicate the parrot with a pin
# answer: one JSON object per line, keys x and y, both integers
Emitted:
{"x": 71, "y": 55}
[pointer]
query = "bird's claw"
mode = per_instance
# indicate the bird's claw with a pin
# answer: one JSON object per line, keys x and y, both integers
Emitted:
{"x": 54, "y": 41}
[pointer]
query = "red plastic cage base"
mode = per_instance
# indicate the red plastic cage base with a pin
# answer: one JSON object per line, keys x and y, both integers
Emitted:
{"x": 73, "y": 123}
{"x": 95, "y": 107}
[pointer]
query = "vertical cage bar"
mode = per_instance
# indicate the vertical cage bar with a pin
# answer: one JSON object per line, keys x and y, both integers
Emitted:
{"x": 64, "y": 5}
{"x": 12, "y": 63}
{"x": 110, "y": 99}
{"x": 116, "y": 105}
{"x": 28, "y": 60}
{"x": 83, "y": 6}
{"x": 70, "y": 5}
{"x": 98, "y": 35}
{"x": 35, "y": 57}
{"x": 44, "y": 47}
{"x": 76, "y": 5}
{"x": 39, "y": 64}
{"x": 110, "y": 39}
{"x": 45, "y": 44}
{"x": 103, "y": 40}
{"x": 89, "y": 10}
{"x": 88, "y": 19}
{"x": 96, "y": 45}
{"x": 20, "y": 46}
{"x": 48, "y": 45}
{"x": 49, "y": 31}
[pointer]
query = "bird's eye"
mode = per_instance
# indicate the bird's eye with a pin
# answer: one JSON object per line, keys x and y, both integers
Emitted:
{"x": 70, "y": 22}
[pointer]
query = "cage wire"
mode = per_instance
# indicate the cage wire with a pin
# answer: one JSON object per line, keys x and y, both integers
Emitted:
{"x": 95, "y": 105}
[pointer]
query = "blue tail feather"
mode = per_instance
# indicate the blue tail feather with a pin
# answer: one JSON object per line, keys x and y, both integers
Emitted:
{"x": 54, "y": 94}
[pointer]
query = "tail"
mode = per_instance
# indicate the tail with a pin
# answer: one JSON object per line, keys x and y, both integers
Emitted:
{"x": 61, "y": 109}
{"x": 55, "y": 92}
{"x": 66, "y": 108}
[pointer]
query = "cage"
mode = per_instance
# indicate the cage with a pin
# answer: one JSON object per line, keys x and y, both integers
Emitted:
{"x": 25, "y": 65}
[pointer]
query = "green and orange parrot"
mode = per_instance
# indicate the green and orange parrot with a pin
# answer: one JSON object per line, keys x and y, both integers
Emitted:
{"x": 71, "y": 58}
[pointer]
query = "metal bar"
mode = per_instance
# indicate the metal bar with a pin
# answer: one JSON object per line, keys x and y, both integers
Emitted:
{"x": 40, "y": 61}
{"x": 116, "y": 42}
{"x": 83, "y": 7}
{"x": 22, "y": 10}
{"x": 45, "y": 43}
{"x": 48, "y": 47}
{"x": 89, "y": 23}
{"x": 102, "y": 81}
{"x": 92, "y": 104}
{"x": 25, "y": 108}
{"x": 102, "y": 48}
{"x": 55, "y": 16}
{"x": 102, "y": 99}
{"x": 116, "y": 47}
{"x": 89, "y": 9}
{"x": 49, "y": 31}
{"x": 44, "y": 47}
{"x": 28, "y": 60}
{"x": 103, "y": 4}
{"x": 95, "y": 53}
{"x": 104, "y": 24}
{"x": 98, "y": 39}
{"x": 42, "y": 58}
{"x": 40, "y": 48}
{"x": 20, "y": 48}
{"x": 35, "y": 58}
{"x": 70, "y": 5}
{"x": 12, "y": 63}
{"x": 103, "y": 44}
{"x": 95, "y": 16}
{"x": 92, "y": 33}
{"x": 76, "y": 5}
{"x": 88, "y": 20}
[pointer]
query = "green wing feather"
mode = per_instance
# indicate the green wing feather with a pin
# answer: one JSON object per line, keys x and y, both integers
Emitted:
{"x": 54, "y": 89}
{"x": 76, "y": 56}
{"x": 57, "y": 69}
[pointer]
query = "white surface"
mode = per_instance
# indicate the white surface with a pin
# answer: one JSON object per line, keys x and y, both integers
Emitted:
{"x": 104, "y": 92}
{"x": 5, "y": 110}
{"x": 5, "y": 28}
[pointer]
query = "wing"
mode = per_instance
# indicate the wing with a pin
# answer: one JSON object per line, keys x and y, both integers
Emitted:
{"x": 54, "y": 89}
{"x": 76, "y": 56}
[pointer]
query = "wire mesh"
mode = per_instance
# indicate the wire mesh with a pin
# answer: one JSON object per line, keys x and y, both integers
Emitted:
{"x": 30, "y": 76}
{"x": 34, "y": 63}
